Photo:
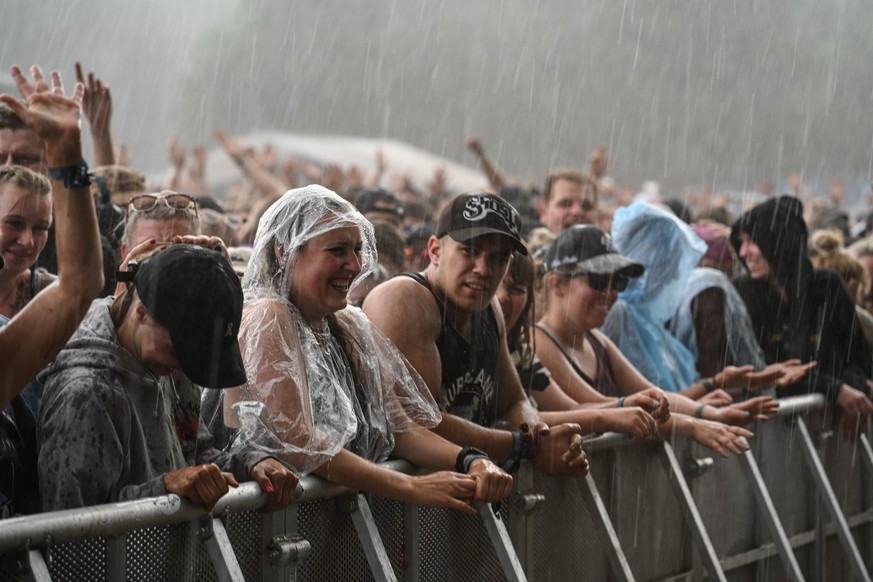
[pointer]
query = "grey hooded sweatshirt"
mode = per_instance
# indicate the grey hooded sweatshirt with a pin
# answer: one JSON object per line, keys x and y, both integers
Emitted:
{"x": 109, "y": 429}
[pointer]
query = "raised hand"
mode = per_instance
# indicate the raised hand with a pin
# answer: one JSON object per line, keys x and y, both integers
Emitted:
{"x": 45, "y": 110}
{"x": 96, "y": 100}
{"x": 175, "y": 152}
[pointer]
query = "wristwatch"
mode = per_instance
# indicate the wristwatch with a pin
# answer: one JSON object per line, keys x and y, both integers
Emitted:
{"x": 74, "y": 176}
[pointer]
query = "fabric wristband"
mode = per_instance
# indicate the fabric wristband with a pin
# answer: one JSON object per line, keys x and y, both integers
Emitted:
{"x": 74, "y": 176}
{"x": 699, "y": 412}
{"x": 462, "y": 463}
{"x": 708, "y": 384}
{"x": 620, "y": 402}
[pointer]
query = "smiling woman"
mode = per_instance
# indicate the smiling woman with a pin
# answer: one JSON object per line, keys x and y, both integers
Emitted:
{"x": 326, "y": 391}
{"x": 25, "y": 215}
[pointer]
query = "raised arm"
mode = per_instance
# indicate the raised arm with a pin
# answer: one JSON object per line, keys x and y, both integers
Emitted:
{"x": 38, "y": 332}
{"x": 489, "y": 168}
{"x": 265, "y": 182}
{"x": 97, "y": 107}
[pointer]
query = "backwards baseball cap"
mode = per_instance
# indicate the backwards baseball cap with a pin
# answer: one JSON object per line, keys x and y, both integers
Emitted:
{"x": 470, "y": 216}
{"x": 587, "y": 248}
{"x": 379, "y": 200}
{"x": 194, "y": 293}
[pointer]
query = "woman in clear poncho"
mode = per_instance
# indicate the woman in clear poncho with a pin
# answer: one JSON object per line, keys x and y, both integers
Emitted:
{"x": 327, "y": 392}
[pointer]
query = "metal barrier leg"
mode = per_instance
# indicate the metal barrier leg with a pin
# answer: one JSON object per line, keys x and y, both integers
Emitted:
{"x": 831, "y": 503}
{"x": 116, "y": 557}
{"x": 371, "y": 541}
{"x": 867, "y": 453}
{"x": 698, "y": 530}
{"x": 39, "y": 571}
{"x": 605, "y": 530}
{"x": 411, "y": 543}
{"x": 502, "y": 544}
{"x": 214, "y": 535}
{"x": 780, "y": 538}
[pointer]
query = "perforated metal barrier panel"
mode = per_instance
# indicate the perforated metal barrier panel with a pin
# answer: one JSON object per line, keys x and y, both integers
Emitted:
{"x": 558, "y": 532}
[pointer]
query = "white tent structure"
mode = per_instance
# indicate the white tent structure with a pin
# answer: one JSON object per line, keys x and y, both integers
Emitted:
{"x": 400, "y": 158}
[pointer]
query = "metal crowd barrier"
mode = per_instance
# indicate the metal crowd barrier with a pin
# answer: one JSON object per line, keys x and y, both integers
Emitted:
{"x": 797, "y": 506}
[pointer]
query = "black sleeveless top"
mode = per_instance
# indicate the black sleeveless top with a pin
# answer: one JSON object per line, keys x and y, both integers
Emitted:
{"x": 605, "y": 382}
{"x": 469, "y": 370}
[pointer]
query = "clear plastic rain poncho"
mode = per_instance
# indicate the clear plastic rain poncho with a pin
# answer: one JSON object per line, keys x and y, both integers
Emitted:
{"x": 742, "y": 348}
{"x": 670, "y": 251}
{"x": 314, "y": 389}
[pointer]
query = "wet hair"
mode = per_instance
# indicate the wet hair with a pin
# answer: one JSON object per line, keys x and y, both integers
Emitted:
{"x": 522, "y": 273}
{"x": 826, "y": 247}
{"x": 681, "y": 209}
{"x": 390, "y": 245}
{"x": 26, "y": 179}
{"x": 9, "y": 120}
{"x": 121, "y": 182}
{"x": 862, "y": 248}
{"x": 573, "y": 176}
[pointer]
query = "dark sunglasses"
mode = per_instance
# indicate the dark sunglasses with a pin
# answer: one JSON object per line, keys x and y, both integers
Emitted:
{"x": 601, "y": 283}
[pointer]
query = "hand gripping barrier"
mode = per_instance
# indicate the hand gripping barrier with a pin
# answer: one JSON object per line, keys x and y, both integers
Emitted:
{"x": 797, "y": 506}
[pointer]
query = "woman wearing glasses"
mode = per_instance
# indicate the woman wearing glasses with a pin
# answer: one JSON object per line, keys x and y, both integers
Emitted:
{"x": 583, "y": 275}
{"x": 640, "y": 412}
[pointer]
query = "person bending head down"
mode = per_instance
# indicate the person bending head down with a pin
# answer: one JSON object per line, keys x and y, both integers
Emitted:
{"x": 121, "y": 407}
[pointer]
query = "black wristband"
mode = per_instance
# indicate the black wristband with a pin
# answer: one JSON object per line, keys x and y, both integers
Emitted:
{"x": 74, "y": 176}
{"x": 708, "y": 384}
{"x": 461, "y": 466}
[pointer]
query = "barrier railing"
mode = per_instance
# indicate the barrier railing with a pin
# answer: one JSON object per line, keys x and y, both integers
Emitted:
{"x": 797, "y": 506}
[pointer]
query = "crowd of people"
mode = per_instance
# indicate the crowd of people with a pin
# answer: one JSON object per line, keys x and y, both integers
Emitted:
{"x": 168, "y": 339}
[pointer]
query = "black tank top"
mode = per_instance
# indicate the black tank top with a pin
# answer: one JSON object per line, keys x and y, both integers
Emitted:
{"x": 469, "y": 370}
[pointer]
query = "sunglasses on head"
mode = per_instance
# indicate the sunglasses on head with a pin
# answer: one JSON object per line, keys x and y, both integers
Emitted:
{"x": 602, "y": 283}
{"x": 147, "y": 202}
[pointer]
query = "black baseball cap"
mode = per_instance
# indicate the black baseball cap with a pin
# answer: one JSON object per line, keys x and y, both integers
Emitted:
{"x": 379, "y": 200}
{"x": 587, "y": 248}
{"x": 194, "y": 293}
{"x": 472, "y": 215}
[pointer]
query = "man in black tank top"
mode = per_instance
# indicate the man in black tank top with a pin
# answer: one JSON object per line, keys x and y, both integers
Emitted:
{"x": 447, "y": 323}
